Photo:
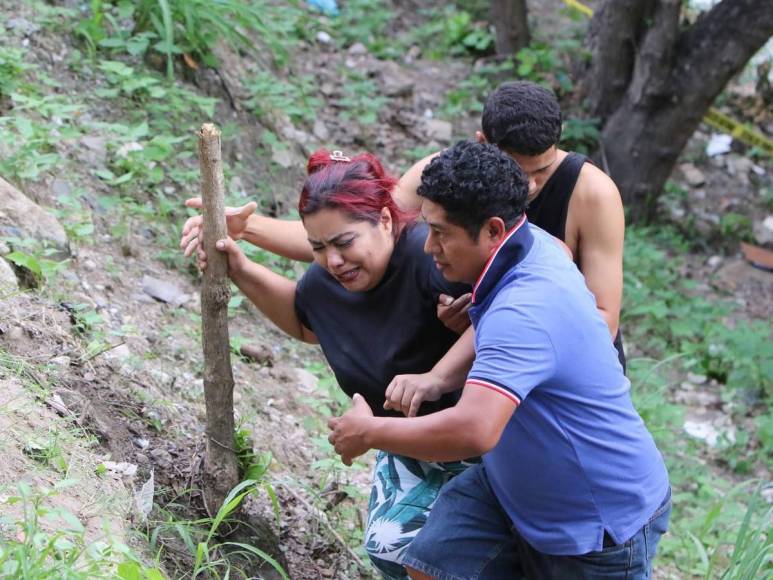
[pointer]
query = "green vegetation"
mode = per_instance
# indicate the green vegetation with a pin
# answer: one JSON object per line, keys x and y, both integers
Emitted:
{"x": 50, "y": 542}
{"x": 679, "y": 331}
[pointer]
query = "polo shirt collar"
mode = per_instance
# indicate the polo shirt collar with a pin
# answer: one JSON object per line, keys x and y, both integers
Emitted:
{"x": 513, "y": 248}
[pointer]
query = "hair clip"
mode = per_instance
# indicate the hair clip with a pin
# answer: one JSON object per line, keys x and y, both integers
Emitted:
{"x": 339, "y": 156}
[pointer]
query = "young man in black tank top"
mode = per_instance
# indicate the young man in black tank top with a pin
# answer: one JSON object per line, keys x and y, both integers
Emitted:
{"x": 568, "y": 197}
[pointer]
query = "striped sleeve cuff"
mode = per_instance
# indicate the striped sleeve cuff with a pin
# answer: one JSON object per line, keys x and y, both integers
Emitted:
{"x": 495, "y": 387}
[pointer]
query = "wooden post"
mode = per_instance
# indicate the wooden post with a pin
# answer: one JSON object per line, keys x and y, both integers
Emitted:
{"x": 220, "y": 466}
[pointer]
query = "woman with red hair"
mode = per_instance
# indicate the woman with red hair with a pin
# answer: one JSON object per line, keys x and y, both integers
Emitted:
{"x": 369, "y": 300}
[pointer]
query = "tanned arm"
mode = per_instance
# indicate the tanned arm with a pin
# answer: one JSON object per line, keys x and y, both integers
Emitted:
{"x": 596, "y": 215}
{"x": 469, "y": 429}
{"x": 406, "y": 393}
{"x": 405, "y": 192}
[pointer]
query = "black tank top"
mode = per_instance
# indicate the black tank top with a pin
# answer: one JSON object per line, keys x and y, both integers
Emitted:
{"x": 548, "y": 210}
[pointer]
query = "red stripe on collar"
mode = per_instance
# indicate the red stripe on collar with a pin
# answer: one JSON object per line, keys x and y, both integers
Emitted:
{"x": 509, "y": 234}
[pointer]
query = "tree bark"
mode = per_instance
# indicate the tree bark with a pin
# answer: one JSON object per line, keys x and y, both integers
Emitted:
{"x": 220, "y": 465}
{"x": 615, "y": 33}
{"x": 511, "y": 25}
{"x": 676, "y": 78}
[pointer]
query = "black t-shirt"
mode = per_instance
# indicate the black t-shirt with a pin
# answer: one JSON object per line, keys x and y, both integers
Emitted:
{"x": 392, "y": 329}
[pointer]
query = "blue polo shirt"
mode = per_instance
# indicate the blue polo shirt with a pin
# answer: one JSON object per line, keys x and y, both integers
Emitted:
{"x": 575, "y": 460}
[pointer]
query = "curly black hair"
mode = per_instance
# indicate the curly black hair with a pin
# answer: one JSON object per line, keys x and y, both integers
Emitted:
{"x": 522, "y": 117}
{"x": 473, "y": 182}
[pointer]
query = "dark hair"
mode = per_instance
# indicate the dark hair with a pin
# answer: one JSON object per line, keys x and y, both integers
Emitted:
{"x": 523, "y": 118}
{"x": 359, "y": 187}
{"x": 473, "y": 182}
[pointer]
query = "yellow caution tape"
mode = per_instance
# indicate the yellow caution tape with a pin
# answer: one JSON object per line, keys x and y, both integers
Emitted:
{"x": 714, "y": 118}
{"x": 580, "y": 7}
{"x": 738, "y": 130}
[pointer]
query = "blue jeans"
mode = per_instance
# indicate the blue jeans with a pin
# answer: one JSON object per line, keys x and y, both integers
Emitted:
{"x": 468, "y": 536}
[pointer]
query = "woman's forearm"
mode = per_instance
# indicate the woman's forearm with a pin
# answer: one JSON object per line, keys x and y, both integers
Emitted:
{"x": 285, "y": 238}
{"x": 274, "y": 295}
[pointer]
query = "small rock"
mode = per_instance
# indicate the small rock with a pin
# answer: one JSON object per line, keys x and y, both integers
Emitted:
{"x": 739, "y": 167}
{"x": 126, "y": 148}
{"x": 283, "y": 158}
{"x": 95, "y": 151}
{"x": 15, "y": 334}
{"x": 320, "y": 130}
{"x": 357, "y": 49}
{"x": 20, "y": 217}
{"x": 120, "y": 353}
{"x": 714, "y": 261}
{"x": 60, "y": 188}
{"x": 394, "y": 80}
{"x": 163, "y": 291}
{"x": 120, "y": 469}
{"x": 439, "y": 130}
{"x": 414, "y": 53}
{"x": 22, "y": 25}
{"x": 692, "y": 174}
{"x": 161, "y": 457}
{"x": 259, "y": 353}
{"x": 141, "y": 443}
{"x": 695, "y": 378}
{"x": 307, "y": 382}
{"x": 61, "y": 361}
{"x": 89, "y": 265}
{"x": 763, "y": 231}
{"x": 323, "y": 37}
{"x": 8, "y": 280}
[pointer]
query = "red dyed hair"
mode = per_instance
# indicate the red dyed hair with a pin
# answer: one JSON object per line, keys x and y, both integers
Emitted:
{"x": 360, "y": 188}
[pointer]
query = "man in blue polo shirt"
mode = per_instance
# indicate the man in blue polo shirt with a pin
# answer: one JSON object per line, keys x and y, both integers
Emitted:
{"x": 571, "y": 484}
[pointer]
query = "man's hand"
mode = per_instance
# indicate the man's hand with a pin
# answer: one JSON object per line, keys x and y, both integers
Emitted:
{"x": 406, "y": 393}
{"x": 348, "y": 430}
{"x": 453, "y": 313}
{"x": 236, "y": 219}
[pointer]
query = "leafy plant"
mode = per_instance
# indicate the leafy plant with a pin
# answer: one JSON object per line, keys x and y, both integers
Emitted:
{"x": 210, "y": 556}
{"x": 186, "y": 28}
{"x": 51, "y": 542}
{"x": 581, "y": 135}
{"x": 295, "y": 97}
{"x": 12, "y": 68}
{"x": 361, "y": 99}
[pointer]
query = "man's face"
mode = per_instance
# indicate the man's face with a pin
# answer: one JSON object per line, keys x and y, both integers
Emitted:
{"x": 457, "y": 256}
{"x": 538, "y": 168}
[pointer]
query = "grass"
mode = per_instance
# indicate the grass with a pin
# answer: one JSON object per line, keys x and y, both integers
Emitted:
{"x": 679, "y": 331}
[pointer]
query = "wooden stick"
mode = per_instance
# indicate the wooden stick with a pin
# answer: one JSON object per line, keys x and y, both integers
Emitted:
{"x": 220, "y": 465}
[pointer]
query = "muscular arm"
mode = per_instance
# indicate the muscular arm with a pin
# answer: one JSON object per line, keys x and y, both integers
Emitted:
{"x": 406, "y": 393}
{"x": 469, "y": 429}
{"x": 405, "y": 192}
{"x": 596, "y": 214}
{"x": 285, "y": 238}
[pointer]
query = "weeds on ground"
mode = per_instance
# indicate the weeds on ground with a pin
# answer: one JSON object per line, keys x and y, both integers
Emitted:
{"x": 186, "y": 29}
{"x": 50, "y": 542}
{"x": 681, "y": 331}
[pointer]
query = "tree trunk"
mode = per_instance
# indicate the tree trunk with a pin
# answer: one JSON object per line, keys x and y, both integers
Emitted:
{"x": 511, "y": 25}
{"x": 675, "y": 79}
{"x": 220, "y": 466}
{"x": 613, "y": 40}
